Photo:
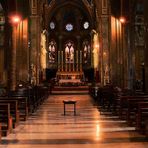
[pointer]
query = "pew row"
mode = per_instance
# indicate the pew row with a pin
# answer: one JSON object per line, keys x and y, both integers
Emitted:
{"x": 5, "y": 119}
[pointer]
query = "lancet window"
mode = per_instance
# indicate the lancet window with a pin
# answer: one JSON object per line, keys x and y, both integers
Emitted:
{"x": 52, "y": 51}
{"x": 86, "y": 51}
{"x": 69, "y": 52}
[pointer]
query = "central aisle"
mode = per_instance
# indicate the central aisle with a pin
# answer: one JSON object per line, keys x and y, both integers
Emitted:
{"x": 48, "y": 127}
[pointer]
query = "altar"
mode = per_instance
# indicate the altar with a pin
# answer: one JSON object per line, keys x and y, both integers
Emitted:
{"x": 69, "y": 81}
{"x": 69, "y": 78}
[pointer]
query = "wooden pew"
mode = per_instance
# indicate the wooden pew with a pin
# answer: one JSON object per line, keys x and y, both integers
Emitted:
{"x": 123, "y": 104}
{"x": 146, "y": 128}
{"x": 27, "y": 93}
{"x": 0, "y": 131}
{"x": 132, "y": 108}
{"x": 41, "y": 92}
{"x": 35, "y": 96}
{"x": 22, "y": 106}
{"x": 5, "y": 119}
{"x": 13, "y": 110}
{"x": 142, "y": 118}
{"x": 107, "y": 98}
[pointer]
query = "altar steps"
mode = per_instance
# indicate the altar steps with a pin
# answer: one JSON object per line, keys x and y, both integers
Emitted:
{"x": 70, "y": 90}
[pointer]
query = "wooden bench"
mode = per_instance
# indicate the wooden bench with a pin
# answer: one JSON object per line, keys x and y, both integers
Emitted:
{"x": 107, "y": 99}
{"x": 142, "y": 118}
{"x": 39, "y": 95}
{"x": 0, "y": 131}
{"x": 35, "y": 96}
{"x": 22, "y": 106}
{"x": 123, "y": 104}
{"x": 5, "y": 119}
{"x": 132, "y": 108}
{"x": 146, "y": 128}
{"x": 13, "y": 110}
{"x": 27, "y": 93}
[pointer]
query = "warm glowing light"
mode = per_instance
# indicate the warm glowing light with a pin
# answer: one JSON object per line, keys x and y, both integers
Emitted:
{"x": 97, "y": 131}
{"x": 15, "y": 19}
{"x": 20, "y": 85}
{"x": 122, "y": 20}
{"x": 104, "y": 53}
{"x": 96, "y": 50}
{"x": 43, "y": 50}
{"x": 97, "y": 46}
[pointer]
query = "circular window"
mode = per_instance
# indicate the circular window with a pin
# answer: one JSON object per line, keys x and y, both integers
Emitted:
{"x": 86, "y": 25}
{"x": 52, "y": 25}
{"x": 69, "y": 27}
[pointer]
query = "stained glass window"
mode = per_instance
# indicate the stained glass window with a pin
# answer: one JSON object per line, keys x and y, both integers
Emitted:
{"x": 86, "y": 25}
{"x": 52, "y": 25}
{"x": 69, "y": 27}
{"x": 69, "y": 52}
{"x": 52, "y": 51}
{"x": 86, "y": 52}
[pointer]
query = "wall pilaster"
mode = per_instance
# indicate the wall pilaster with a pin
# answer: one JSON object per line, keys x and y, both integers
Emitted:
{"x": 34, "y": 43}
{"x": 146, "y": 45}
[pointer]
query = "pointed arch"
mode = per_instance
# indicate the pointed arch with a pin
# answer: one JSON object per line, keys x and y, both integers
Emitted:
{"x": 69, "y": 52}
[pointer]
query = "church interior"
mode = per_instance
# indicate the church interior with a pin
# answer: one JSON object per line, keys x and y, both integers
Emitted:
{"x": 73, "y": 73}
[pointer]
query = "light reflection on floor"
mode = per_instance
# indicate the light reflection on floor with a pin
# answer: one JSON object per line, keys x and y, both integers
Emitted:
{"x": 48, "y": 127}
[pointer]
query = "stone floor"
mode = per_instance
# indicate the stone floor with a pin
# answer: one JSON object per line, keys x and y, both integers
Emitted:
{"x": 48, "y": 127}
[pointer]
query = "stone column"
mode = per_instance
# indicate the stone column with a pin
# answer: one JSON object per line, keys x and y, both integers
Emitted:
{"x": 105, "y": 49}
{"x": 103, "y": 29}
{"x": 34, "y": 30}
{"x": 34, "y": 49}
{"x": 60, "y": 63}
{"x": 130, "y": 65}
{"x": 13, "y": 59}
{"x": 77, "y": 60}
{"x": 145, "y": 66}
{"x": 23, "y": 51}
{"x": 78, "y": 64}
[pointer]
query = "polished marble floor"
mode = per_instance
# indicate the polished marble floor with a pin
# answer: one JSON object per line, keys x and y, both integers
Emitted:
{"x": 49, "y": 128}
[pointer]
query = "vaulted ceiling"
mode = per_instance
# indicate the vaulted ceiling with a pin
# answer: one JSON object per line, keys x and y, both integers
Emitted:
{"x": 81, "y": 5}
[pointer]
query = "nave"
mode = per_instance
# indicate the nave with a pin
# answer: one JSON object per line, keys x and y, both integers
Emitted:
{"x": 48, "y": 127}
